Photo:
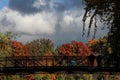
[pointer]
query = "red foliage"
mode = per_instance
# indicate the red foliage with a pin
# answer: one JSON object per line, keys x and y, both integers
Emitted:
{"x": 19, "y": 49}
{"x": 30, "y": 77}
{"x": 74, "y": 49}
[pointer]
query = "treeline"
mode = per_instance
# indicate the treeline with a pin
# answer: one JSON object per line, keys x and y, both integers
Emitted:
{"x": 45, "y": 47}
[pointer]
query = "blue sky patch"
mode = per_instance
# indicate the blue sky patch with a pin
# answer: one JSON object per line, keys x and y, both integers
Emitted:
{"x": 3, "y": 3}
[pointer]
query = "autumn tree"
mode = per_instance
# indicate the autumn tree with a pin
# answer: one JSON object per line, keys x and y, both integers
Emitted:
{"x": 102, "y": 47}
{"x": 108, "y": 12}
{"x": 99, "y": 45}
{"x": 5, "y": 46}
{"x": 74, "y": 49}
{"x": 18, "y": 49}
{"x": 40, "y": 46}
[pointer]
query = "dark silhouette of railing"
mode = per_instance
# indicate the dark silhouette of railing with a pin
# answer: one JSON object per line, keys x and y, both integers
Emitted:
{"x": 30, "y": 64}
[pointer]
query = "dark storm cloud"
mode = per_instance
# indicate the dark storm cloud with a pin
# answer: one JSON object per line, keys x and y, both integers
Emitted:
{"x": 24, "y": 6}
{"x": 62, "y": 5}
{"x": 77, "y": 3}
{"x": 29, "y": 6}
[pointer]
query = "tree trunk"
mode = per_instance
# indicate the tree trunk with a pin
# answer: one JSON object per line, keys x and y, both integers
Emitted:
{"x": 114, "y": 33}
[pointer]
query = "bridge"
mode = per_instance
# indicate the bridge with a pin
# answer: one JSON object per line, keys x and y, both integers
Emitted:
{"x": 51, "y": 64}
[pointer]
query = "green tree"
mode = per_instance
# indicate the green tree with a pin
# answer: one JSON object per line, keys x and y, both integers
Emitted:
{"x": 5, "y": 47}
{"x": 40, "y": 46}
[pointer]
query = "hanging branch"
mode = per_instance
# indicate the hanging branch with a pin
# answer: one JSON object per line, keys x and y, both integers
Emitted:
{"x": 84, "y": 19}
{"x": 102, "y": 8}
{"x": 91, "y": 20}
{"x": 95, "y": 30}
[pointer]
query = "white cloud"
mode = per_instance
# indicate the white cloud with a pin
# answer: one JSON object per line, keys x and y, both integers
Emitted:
{"x": 39, "y": 23}
{"x": 71, "y": 22}
{"x": 60, "y": 27}
{"x": 38, "y": 3}
{"x": 68, "y": 19}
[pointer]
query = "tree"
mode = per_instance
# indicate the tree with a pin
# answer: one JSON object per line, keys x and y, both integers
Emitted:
{"x": 107, "y": 11}
{"x": 102, "y": 47}
{"x": 40, "y": 46}
{"x": 74, "y": 49}
{"x": 18, "y": 49}
{"x": 5, "y": 46}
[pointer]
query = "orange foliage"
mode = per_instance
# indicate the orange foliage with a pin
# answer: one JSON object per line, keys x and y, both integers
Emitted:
{"x": 48, "y": 54}
{"x": 74, "y": 49}
{"x": 49, "y": 58}
{"x": 19, "y": 49}
{"x": 91, "y": 42}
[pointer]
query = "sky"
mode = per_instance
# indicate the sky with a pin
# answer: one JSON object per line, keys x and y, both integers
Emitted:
{"x": 3, "y": 3}
{"x": 58, "y": 20}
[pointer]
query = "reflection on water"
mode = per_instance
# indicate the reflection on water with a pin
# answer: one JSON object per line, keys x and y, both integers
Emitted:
{"x": 61, "y": 76}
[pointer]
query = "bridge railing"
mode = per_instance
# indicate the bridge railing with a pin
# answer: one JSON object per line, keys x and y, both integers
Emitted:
{"x": 33, "y": 61}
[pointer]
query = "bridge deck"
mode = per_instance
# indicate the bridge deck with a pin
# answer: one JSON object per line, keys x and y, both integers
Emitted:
{"x": 50, "y": 64}
{"x": 52, "y": 69}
